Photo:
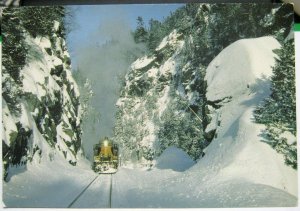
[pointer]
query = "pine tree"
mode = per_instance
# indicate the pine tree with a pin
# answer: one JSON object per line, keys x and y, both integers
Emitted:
{"x": 13, "y": 57}
{"x": 278, "y": 112}
{"x": 14, "y": 48}
{"x": 280, "y": 108}
{"x": 43, "y": 18}
{"x": 181, "y": 128}
{"x": 155, "y": 34}
{"x": 140, "y": 34}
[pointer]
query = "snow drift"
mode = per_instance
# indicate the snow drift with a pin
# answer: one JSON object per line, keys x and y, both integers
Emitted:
{"x": 175, "y": 159}
{"x": 239, "y": 85}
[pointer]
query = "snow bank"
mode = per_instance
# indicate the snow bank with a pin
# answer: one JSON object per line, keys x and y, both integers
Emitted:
{"x": 175, "y": 159}
{"x": 134, "y": 188}
{"x": 240, "y": 66}
{"x": 237, "y": 151}
{"x": 48, "y": 184}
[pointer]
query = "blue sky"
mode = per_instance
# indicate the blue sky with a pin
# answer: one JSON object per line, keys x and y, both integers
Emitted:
{"x": 89, "y": 19}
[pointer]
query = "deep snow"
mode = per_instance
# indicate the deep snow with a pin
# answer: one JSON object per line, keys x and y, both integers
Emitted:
{"x": 238, "y": 151}
{"x": 48, "y": 184}
{"x": 238, "y": 170}
{"x": 175, "y": 159}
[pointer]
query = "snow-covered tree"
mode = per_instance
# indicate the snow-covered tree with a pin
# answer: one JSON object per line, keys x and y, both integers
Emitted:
{"x": 181, "y": 128}
{"x": 140, "y": 34}
{"x": 279, "y": 111}
{"x": 43, "y": 18}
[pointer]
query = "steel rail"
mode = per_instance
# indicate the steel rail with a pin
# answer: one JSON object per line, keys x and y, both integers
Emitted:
{"x": 80, "y": 194}
{"x": 110, "y": 191}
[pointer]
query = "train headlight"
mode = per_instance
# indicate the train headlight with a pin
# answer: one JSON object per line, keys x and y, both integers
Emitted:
{"x": 105, "y": 143}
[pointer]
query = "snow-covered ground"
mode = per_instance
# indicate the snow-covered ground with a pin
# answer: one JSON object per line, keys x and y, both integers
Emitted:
{"x": 238, "y": 169}
{"x": 98, "y": 195}
{"x": 47, "y": 184}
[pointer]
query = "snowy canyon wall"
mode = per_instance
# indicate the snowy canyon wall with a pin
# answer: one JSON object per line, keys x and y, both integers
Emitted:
{"x": 158, "y": 104}
{"x": 41, "y": 113}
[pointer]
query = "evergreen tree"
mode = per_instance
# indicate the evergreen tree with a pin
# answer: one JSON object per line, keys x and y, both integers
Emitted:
{"x": 155, "y": 34}
{"x": 279, "y": 111}
{"x": 13, "y": 57}
{"x": 43, "y": 19}
{"x": 280, "y": 108}
{"x": 229, "y": 23}
{"x": 86, "y": 92}
{"x": 181, "y": 128}
{"x": 214, "y": 27}
{"x": 140, "y": 34}
{"x": 14, "y": 48}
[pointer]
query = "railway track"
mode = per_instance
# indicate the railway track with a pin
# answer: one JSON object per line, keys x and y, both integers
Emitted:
{"x": 99, "y": 187}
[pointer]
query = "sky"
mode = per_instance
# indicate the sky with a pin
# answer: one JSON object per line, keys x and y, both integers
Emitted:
{"x": 88, "y": 19}
{"x": 104, "y": 62}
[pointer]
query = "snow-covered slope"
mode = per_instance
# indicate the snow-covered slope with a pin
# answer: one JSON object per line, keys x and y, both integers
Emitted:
{"x": 238, "y": 86}
{"x": 252, "y": 61}
{"x": 50, "y": 114}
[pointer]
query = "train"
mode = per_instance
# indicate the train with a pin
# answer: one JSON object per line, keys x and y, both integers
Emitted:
{"x": 106, "y": 157}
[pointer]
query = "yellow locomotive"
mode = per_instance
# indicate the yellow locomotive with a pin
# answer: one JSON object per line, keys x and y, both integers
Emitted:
{"x": 105, "y": 157}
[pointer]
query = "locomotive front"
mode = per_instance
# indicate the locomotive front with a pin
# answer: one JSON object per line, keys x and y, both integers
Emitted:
{"x": 105, "y": 157}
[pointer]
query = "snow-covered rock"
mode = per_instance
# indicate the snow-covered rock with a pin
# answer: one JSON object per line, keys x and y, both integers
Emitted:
{"x": 171, "y": 40}
{"x": 255, "y": 62}
{"x": 237, "y": 151}
{"x": 142, "y": 62}
{"x": 149, "y": 98}
{"x": 9, "y": 127}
